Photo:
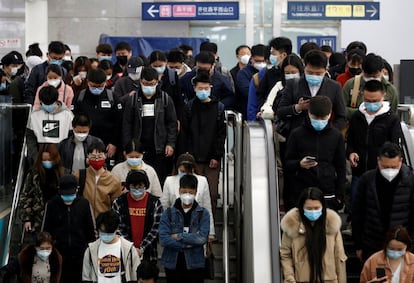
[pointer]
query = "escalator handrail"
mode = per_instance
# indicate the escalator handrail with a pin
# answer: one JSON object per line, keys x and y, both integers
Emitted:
{"x": 19, "y": 180}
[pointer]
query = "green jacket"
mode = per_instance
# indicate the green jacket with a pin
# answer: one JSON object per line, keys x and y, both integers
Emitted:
{"x": 391, "y": 95}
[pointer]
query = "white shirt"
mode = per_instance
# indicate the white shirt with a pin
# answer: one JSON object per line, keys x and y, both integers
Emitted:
{"x": 109, "y": 262}
{"x": 122, "y": 169}
{"x": 171, "y": 193}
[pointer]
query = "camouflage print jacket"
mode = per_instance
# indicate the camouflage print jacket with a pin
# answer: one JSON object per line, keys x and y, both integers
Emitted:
{"x": 32, "y": 203}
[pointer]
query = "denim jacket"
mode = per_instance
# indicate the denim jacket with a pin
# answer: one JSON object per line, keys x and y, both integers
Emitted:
{"x": 191, "y": 243}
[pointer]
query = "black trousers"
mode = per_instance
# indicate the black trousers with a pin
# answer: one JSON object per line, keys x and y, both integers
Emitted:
{"x": 183, "y": 275}
{"x": 71, "y": 269}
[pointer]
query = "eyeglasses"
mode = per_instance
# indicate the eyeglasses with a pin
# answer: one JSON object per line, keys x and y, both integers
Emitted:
{"x": 96, "y": 157}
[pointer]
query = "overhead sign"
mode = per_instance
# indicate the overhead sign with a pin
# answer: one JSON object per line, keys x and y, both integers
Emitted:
{"x": 10, "y": 43}
{"x": 319, "y": 40}
{"x": 190, "y": 11}
{"x": 333, "y": 10}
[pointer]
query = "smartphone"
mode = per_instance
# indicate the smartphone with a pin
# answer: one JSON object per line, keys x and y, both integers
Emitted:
{"x": 311, "y": 158}
{"x": 306, "y": 97}
{"x": 380, "y": 272}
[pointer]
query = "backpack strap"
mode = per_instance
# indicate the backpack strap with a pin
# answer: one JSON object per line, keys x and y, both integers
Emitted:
{"x": 256, "y": 80}
{"x": 81, "y": 95}
{"x": 355, "y": 91}
{"x": 64, "y": 94}
{"x": 82, "y": 181}
{"x": 110, "y": 95}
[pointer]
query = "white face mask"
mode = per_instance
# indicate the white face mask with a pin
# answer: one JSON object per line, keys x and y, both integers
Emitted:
{"x": 82, "y": 75}
{"x": 259, "y": 66}
{"x": 53, "y": 83}
{"x": 389, "y": 173}
{"x": 245, "y": 59}
{"x": 80, "y": 136}
{"x": 108, "y": 77}
{"x": 367, "y": 79}
{"x": 187, "y": 198}
{"x": 134, "y": 76}
{"x": 14, "y": 71}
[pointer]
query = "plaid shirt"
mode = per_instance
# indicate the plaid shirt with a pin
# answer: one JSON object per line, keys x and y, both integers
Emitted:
{"x": 152, "y": 220}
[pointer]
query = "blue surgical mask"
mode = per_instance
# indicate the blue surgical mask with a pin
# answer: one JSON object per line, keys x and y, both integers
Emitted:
{"x": 373, "y": 106}
{"x": 314, "y": 80}
{"x": 312, "y": 215}
{"x": 137, "y": 193}
{"x": 160, "y": 70}
{"x": 106, "y": 237}
{"x": 96, "y": 90}
{"x": 109, "y": 58}
{"x": 134, "y": 162}
{"x": 395, "y": 254}
{"x": 319, "y": 125}
{"x": 202, "y": 94}
{"x": 49, "y": 107}
{"x": 292, "y": 76}
{"x": 180, "y": 174}
{"x": 273, "y": 60}
{"x": 148, "y": 90}
{"x": 43, "y": 254}
{"x": 47, "y": 164}
{"x": 55, "y": 62}
{"x": 3, "y": 86}
{"x": 68, "y": 198}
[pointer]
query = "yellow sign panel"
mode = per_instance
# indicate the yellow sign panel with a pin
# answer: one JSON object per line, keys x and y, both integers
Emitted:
{"x": 359, "y": 11}
{"x": 339, "y": 11}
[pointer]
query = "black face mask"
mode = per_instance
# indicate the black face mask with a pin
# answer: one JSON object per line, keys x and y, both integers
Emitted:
{"x": 122, "y": 60}
{"x": 355, "y": 71}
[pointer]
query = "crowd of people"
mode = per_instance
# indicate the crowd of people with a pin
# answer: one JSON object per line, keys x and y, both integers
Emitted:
{"x": 125, "y": 151}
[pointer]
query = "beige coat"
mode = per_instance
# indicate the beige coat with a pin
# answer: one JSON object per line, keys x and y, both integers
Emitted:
{"x": 293, "y": 254}
{"x": 379, "y": 260}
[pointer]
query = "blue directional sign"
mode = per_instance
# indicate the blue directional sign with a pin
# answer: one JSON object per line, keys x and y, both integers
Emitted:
{"x": 190, "y": 11}
{"x": 333, "y": 10}
{"x": 319, "y": 40}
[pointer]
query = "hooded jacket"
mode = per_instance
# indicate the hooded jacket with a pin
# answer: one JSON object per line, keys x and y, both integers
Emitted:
{"x": 130, "y": 261}
{"x": 293, "y": 254}
{"x": 367, "y": 139}
{"x": 65, "y": 94}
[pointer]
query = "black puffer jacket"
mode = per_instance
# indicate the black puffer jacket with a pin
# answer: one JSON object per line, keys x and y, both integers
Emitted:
{"x": 368, "y": 229}
{"x": 328, "y": 148}
{"x": 366, "y": 140}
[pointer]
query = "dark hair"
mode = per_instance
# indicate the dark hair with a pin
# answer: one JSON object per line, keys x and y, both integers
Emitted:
{"x": 56, "y": 47}
{"x": 34, "y": 50}
{"x": 316, "y": 58}
{"x": 188, "y": 182}
{"x": 107, "y": 221}
{"x": 374, "y": 85}
{"x": 98, "y": 146}
{"x": 48, "y": 95}
{"x": 104, "y": 48}
{"x": 326, "y": 48}
{"x": 201, "y": 77}
{"x": 205, "y": 57}
{"x": 136, "y": 177}
{"x": 258, "y": 50}
{"x": 81, "y": 120}
{"x": 356, "y": 45}
{"x": 185, "y": 48}
{"x": 390, "y": 150}
{"x": 175, "y": 55}
{"x": 320, "y": 106}
{"x": 241, "y": 47}
{"x": 55, "y": 69}
{"x": 281, "y": 44}
{"x": 372, "y": 64}
{"x": 356, "y": 56}
{"x": 97, "y": 76}
{"x": 315, "y": 236}
{"x": 43, "y": 237}
{"x": 147, "y": 270}
{"x": 105, "y": 65}
{"x": 208, "y": 46}
{"x": 67, "y": 48}
{"x": 337, "y": 58}
{"x": 267, "y": 52}
{"x": 133, "y": 145}
{"x": 306, "y": 47}
{"x": 68, "y": 65}
{"x": 149, "y": 74}
{"x": 55, "y": 158}
{"x": 144, "y": 60}
{"x": 398, "y": 233}
{"x": 122, "y": 45}
{"x": 388, "y": 67}
{"x": 82, "y": 61}
{"x": 157, "y": 55}
{"x": 294, "y": 60}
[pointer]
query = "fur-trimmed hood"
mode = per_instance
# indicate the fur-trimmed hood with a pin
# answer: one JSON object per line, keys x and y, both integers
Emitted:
{"x": 292, "y": 224}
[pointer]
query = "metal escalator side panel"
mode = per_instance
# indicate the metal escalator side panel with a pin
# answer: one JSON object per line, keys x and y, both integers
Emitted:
{"x": 257, "y": 257}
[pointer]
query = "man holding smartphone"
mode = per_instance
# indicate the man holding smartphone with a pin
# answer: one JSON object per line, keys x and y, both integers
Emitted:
{"x": 315, "y": 156}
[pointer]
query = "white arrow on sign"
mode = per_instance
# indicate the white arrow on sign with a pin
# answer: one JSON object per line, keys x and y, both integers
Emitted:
{"x": 373, "y": 11}
{"x": 151, "y": 11}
